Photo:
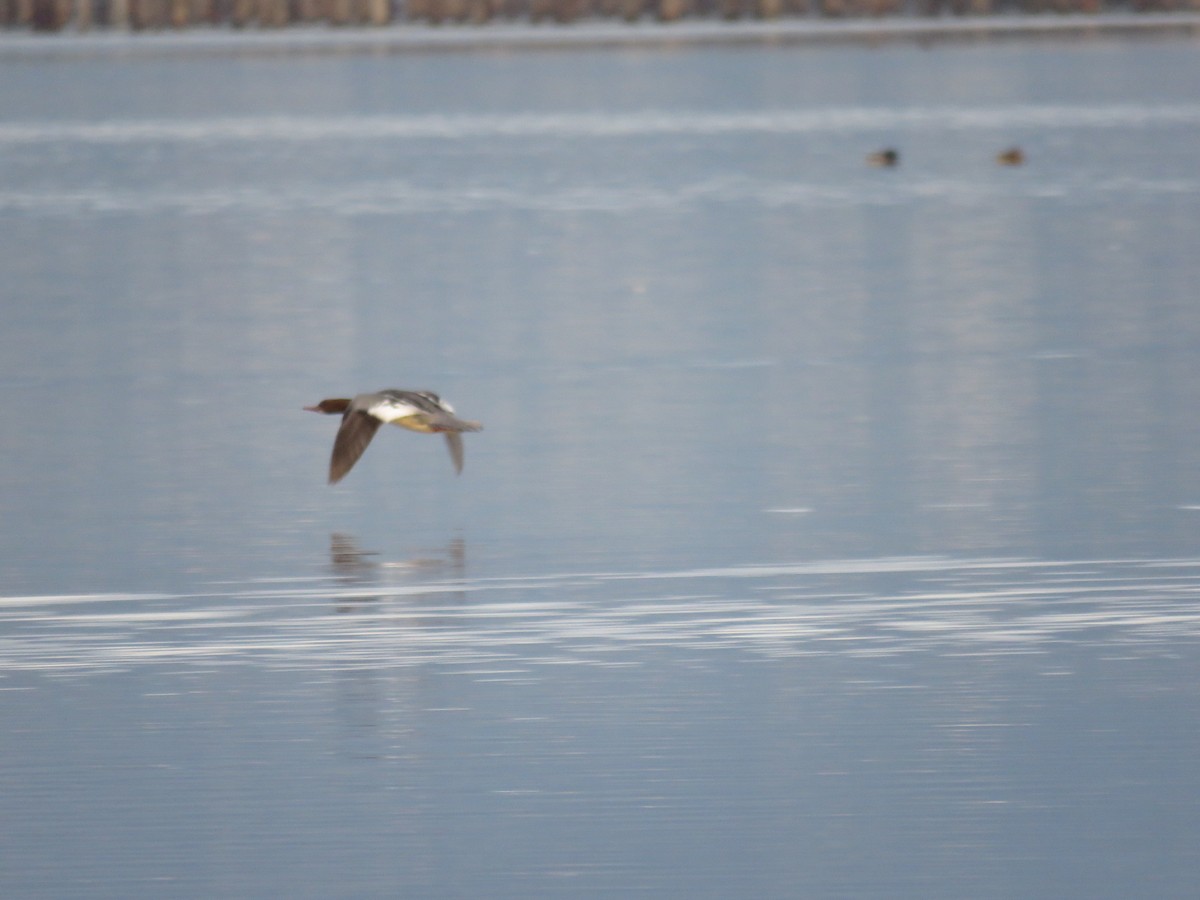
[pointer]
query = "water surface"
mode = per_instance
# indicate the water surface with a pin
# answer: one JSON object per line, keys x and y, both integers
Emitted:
{"x": 833, "y": 531}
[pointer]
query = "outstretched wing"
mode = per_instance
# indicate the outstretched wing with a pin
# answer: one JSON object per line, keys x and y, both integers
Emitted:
{"x": 454, "y": 444}
{"x": 441, "y": 420}
{"x": 352, "y": 438}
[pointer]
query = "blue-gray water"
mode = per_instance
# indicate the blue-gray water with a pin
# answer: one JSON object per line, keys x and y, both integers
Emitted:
{"x": 834, "y": 531}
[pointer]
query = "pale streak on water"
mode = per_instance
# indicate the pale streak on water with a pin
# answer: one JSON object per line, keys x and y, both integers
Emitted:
{"x": 579, "y": 125}
{"x": 512, "y": 628}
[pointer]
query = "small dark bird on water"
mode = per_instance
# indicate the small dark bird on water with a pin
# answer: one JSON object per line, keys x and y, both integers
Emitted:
{"x": 885, "y": 158}
{"x": 422, "y": 411}
{"x": 1013, "y": 156}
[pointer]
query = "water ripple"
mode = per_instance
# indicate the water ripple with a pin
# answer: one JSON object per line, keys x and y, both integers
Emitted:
{"x": 397, "y": 197}
{"x": 521, "y": 625}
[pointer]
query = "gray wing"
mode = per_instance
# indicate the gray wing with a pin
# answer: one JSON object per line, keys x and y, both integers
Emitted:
{"x": 452, "y": 427}
{"x": 455, "y": 445}
{"x": 440, "y": 420}
{"x": 352, "y": 438}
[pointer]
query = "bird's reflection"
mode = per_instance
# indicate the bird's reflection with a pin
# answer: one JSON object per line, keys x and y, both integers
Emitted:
{"x": 352, "y": 566}
{"x": 374, "y": 709}
{"x": 348, "y": 563}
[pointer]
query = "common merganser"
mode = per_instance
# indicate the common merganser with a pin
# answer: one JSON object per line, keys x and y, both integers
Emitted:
{"x": 1013, "y": 156}
{"x": 422, "y": 411}
{"x": 885, "y": 158}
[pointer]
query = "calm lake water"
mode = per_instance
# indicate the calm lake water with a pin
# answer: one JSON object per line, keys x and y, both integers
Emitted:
{"x": 835, "y": 531}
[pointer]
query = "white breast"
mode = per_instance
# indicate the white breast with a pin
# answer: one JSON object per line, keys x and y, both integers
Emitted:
{"x": 391, "y": 410}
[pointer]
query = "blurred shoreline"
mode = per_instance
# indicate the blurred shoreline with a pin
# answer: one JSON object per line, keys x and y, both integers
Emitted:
{"x": 594, "y": 33}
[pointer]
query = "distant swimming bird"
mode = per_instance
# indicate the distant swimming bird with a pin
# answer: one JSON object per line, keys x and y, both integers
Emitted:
{"x": 422, "y": 411}
{"x": 885, "y": 158}
{"x": 1013, "y": 156}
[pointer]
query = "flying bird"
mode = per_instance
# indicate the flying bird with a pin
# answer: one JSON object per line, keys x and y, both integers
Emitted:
{"x": 422, "y": 411}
